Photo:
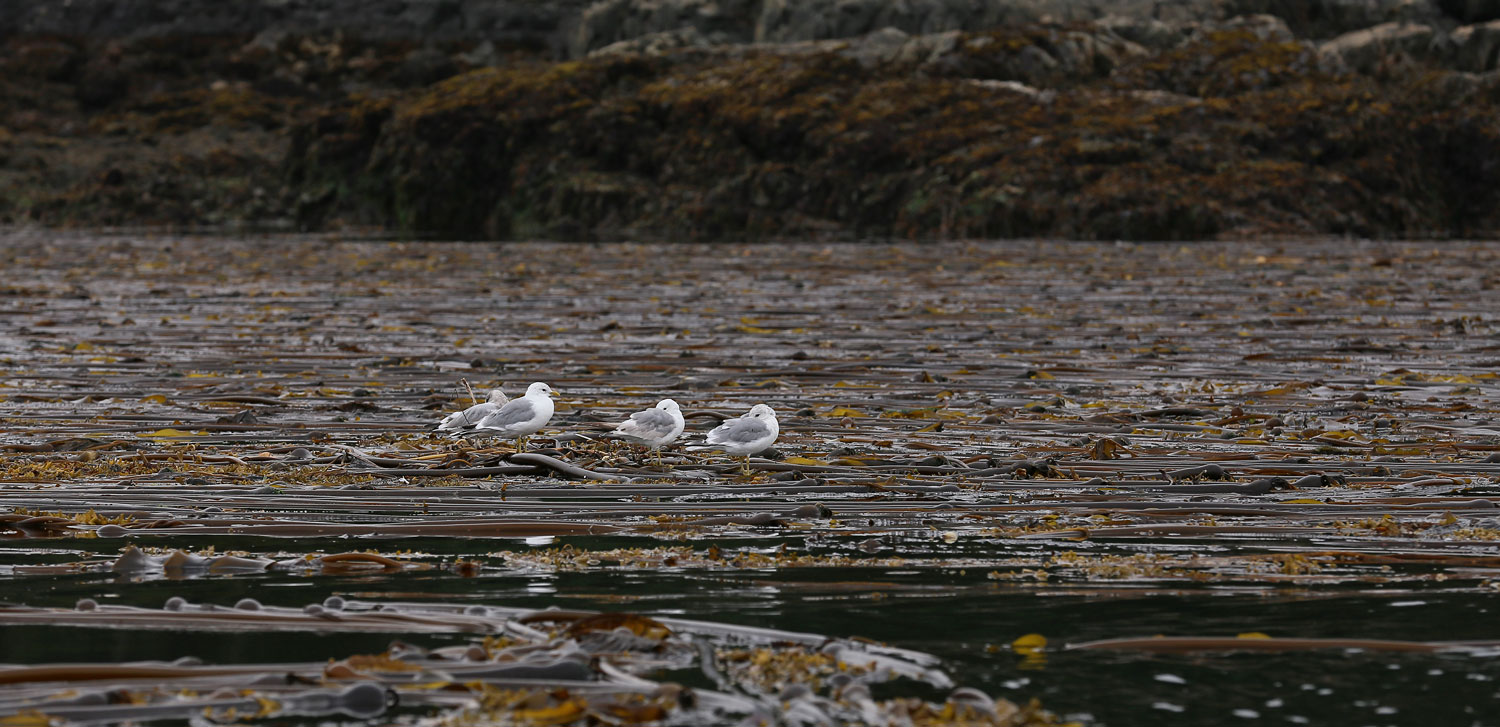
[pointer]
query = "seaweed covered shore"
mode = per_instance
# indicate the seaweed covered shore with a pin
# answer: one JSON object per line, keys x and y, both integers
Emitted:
{"x": 683, "y": 119}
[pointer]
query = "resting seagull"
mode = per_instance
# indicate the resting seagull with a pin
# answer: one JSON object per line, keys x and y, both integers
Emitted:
{"x": 753, "y": 432}
{"x": 468, "y": 418}
{"x": 521, "y": 417}
{"x": 654, "y": 428}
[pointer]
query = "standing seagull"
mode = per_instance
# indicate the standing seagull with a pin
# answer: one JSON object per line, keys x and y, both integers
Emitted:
{"x": 468, "y": 418}
{"x": 517, "y": 419}
{"x": 752, "y": 432}
{"x": 655, "y": 428}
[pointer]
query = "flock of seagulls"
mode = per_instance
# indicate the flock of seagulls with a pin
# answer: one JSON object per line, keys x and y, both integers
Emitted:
{"x": 654, "y": 428}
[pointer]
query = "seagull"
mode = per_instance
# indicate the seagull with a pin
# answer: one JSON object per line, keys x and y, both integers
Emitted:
{"x": 468, "y": 418}
{"x": 518, "y": 418}
{"x": 753, "y": 432}
{"x": 654, "y": 428}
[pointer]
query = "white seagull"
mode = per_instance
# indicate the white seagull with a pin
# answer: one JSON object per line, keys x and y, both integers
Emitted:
{"x": 753, "y": 432}
{"x": 518, "y": 418}
{"x": 654, "y": 428}
{"x": 468, "y": 418}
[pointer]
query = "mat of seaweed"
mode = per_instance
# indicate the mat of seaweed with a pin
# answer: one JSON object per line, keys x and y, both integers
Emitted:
{"x": 1190, "y": 426}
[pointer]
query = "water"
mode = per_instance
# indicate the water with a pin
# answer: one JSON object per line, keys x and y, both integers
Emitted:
{"x": 911, "y": 381}
{"x": 959, "y": 615}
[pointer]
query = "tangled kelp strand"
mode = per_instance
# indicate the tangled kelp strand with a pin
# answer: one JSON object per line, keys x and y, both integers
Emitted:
{"x": 1179, "y": 357}
{"x": 583, "y": 673}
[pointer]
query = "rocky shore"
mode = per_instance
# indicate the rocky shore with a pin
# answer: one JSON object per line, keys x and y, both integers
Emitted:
{"x": 757, "y": 119}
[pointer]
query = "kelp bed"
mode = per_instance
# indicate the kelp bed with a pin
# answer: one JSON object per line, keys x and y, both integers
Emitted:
{"x": 1216, "y": 482}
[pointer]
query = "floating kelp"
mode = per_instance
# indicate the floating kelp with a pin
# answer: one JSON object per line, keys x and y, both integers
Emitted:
{"x": 533, "y": 668}
{"x": 1176, "y": 428}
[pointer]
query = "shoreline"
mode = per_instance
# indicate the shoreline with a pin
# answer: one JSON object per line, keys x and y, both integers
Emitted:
{"x": 1120, "y": 127}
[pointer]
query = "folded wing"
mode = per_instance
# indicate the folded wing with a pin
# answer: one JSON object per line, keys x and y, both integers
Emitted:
{"x": 468, "y": 418}
{"x": 739, "y": 431}
{"x": 513, "y": 414}
{"x": 650, "y": 424}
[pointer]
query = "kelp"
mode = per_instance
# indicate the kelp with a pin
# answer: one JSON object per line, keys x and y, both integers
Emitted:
{"x": 1095, "y": 423}
{"x": 532, "y": 668}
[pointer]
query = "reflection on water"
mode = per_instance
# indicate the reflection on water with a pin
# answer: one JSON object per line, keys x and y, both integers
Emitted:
{"x": 963, "y": 616}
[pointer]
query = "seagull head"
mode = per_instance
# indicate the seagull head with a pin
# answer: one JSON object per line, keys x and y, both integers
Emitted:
{"x": 539, "y": 389}
{"x": 667, "y": 405}
{"x": 497, "y": 396}
{"x": 761, "y": 411}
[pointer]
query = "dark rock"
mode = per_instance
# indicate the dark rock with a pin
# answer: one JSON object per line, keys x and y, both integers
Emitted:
{"x": 1380, "y": 46}
{"x": 657, "y": 43}
{"x": 424, "y": 67}
{"x": 613, "y": 21}
{"x": 44, "y": 58}
{"x": 1477, "y": 47}
{"x": 1328, "y": 18}
{"x": 1471, "y": 11}
{"x": 513, "y": 22}
{"x": 1135, "y": 119}
{"x": 101, "y": 83}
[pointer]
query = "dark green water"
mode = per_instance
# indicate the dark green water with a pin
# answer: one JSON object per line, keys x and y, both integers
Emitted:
{"x": 959, "y": 615}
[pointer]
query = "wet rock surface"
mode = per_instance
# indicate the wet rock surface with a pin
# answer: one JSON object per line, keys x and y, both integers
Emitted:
{"x": 757, "y": 119}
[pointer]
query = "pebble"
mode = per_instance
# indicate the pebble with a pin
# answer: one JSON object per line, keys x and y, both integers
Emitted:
{"x": 366, "y": 700}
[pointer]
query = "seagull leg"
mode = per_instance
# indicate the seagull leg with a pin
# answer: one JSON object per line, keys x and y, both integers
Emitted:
{"x": 745, "y": 465}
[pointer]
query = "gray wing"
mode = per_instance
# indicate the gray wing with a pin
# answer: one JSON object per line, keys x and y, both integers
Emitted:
{"x": 647, "y": 425}
{"x": 739, "y": 431}
{"x": 468, "y": 417}
{"x": 516, "y": 412}
{"x": 654, "y": 420}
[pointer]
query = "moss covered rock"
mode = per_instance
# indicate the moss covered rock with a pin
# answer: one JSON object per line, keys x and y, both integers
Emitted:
{"x": 1035, "y": 131}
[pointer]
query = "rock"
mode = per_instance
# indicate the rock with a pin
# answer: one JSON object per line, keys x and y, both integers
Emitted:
{"x": 653, "y": 44}
{"x": 423, "y": 67}
{"x": 1264, "y": 27}
{"x": 1037, "y": 57}
{"x": 1471, "y": 11}
{"x": 928, "y": 49}
{"x": 1146, "y": 32}
{"x": 1152, "y": 23}
{"x": 483, "y": 54}
{"x": 881, "y": 46}
{"x": 781, "y": 21}
{"x": 578, "y": 27}
{"x": 611, "y": 21}
{"x": 512, "y": 22}
{"x": 1098, "y": 119}
{"x": 794, "y": 20}
{"x": 1386, "y": 44}
{"x": 1329, "y": 18}
{"x": 1476, "y": 48}
{"x": 102, "y": 82}
{"x": 44, "y": 58}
